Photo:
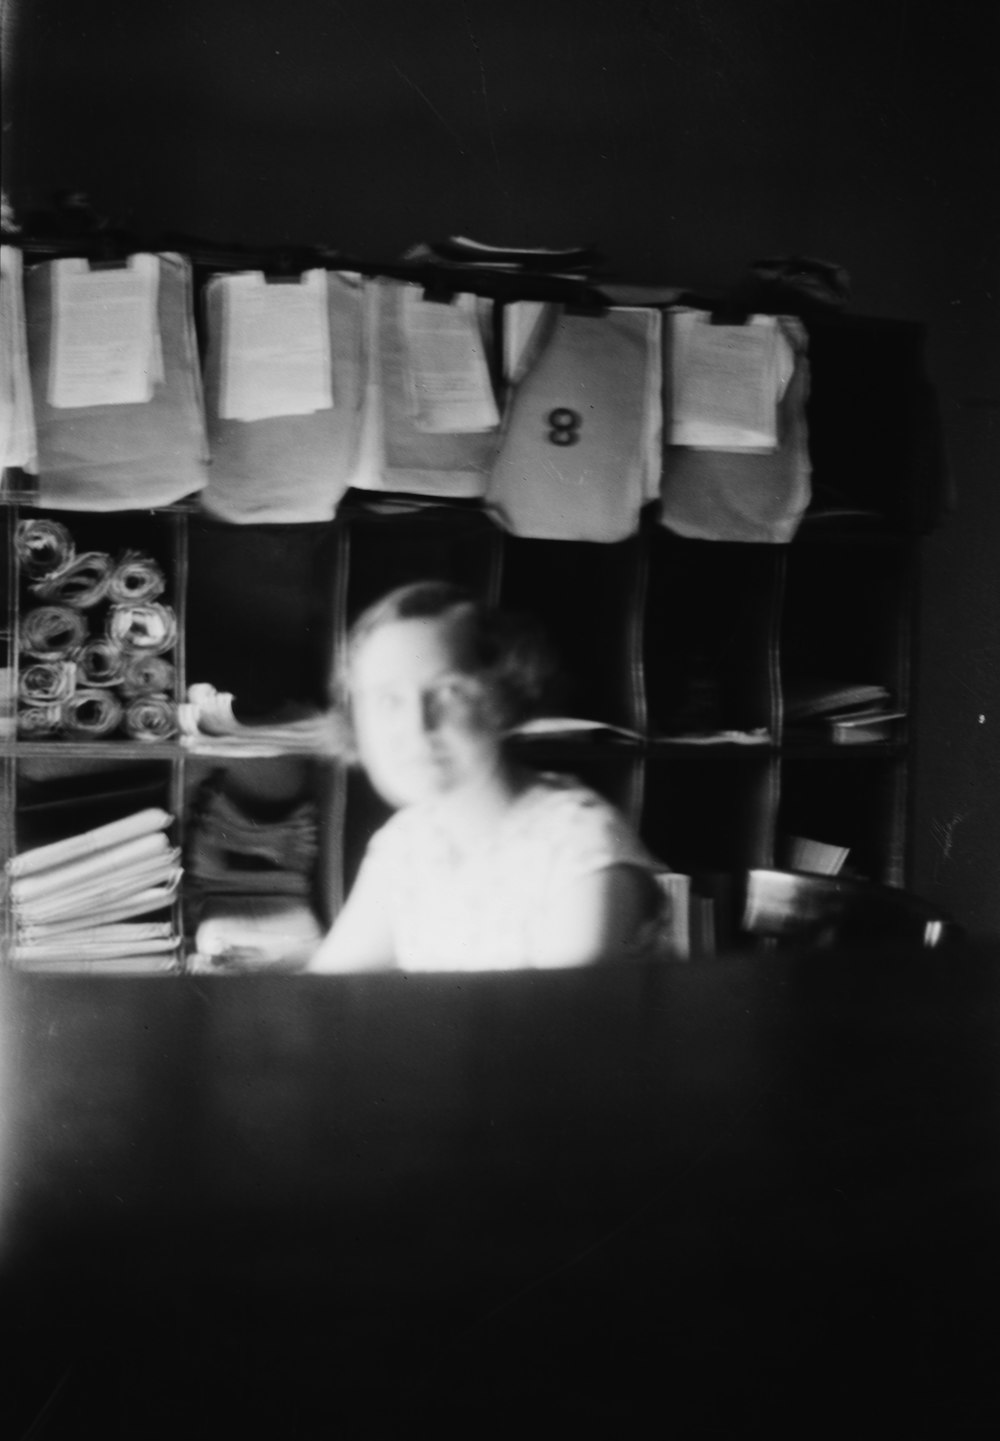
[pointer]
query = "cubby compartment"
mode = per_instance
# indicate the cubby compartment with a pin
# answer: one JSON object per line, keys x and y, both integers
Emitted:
{"x": 849, "y": 801}
{"x": 584, "y": 596}
{"x": 60, "y": 795}
{"x": 708, "y": 635}
{"x": 98, "y": 622}
{"x": 116, "y": 892}
{"x": 261, "y": 601}
{"x": 708, "y": 811}
{"x": 254, "y": 828}
{"x": 846, "y": 622}
{"x": 397, "y": 546}
{"x": 874, "y": 430}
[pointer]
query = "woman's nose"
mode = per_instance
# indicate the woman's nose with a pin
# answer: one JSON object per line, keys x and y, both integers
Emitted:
{"x": 430, "y": 711}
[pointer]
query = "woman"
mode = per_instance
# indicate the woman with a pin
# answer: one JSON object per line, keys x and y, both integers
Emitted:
{"x": 487, "y": 864}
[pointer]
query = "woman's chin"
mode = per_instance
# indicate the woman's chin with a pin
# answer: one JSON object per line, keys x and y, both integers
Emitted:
{"x": 420, "y": 784}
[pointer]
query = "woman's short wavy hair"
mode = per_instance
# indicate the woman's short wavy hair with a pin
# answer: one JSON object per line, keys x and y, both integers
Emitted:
{"x": 507, "y": 653}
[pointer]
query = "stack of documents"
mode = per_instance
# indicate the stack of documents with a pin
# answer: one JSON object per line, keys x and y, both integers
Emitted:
{"x": 847, "y": 714}
{"x": 727, "y": 382}
{"x": 84, "y": 903}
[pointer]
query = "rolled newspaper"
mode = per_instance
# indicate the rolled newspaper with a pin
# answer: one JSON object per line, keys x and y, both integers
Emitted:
{"x": 147, "y": 628}
{"x": 135, "y": 578}
{"x": 42, "y": 546}
{"x": 151, "y": 718}
{"x": 82, "y": 583}
{"x": 47, "y": 681}
{"x": 101, "y": 663}
{"x": 52, "y": 632}
{"x": 147, "y": 675}
{"x": 40, "y": 720}
{"x": 91, "y": 714}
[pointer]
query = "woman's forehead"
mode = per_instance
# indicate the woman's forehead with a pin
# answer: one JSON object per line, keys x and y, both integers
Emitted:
{"x": 416, "y": 649}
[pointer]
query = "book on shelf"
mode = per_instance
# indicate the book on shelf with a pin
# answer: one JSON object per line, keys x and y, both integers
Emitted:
{"x": 818, "y": 858}
{"x": 675, "y": 927}
{"x": 807, "y": 699}
{"x": 864, "y": 727}
{"x": 844, "y": 713}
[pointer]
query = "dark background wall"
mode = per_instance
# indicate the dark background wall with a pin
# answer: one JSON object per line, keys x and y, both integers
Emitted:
{"x": 685, "y": 137}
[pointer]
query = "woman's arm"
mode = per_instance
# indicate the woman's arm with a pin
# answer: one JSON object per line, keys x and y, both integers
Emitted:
{"x": 361, "y": 936}
{"x": 596, "y": 916}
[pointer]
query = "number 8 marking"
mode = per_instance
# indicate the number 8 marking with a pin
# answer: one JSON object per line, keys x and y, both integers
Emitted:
{"x": 564, "y": 426}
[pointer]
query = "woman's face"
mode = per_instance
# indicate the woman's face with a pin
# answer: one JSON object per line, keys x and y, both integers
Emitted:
{"x": 423, "y": 725}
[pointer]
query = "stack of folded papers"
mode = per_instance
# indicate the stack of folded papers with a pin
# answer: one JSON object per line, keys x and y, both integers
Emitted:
{"x": 208, "y": 726}
{"x": 85, "y": 902}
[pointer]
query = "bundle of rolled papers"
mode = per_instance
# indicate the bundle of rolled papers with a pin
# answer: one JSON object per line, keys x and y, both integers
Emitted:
{"x": 42, "y": 547}
{"x": 147, "y": 675}
{"x": 47, "y": 681}
{"x": 135, "y": 579}
{"x": 208, "y": 725}
{"x": 150, "y": 717}
{"x": 52, "y": 632}
{"x": 143, "y": 628}
{"x": 75, "y": 901}
{"x": 91, "y": 714}
{"x": 101, "y": 662}
{"x": 96, "y": 649}
{"x": 81, "y": 583}
{"x": 40, "y": 720}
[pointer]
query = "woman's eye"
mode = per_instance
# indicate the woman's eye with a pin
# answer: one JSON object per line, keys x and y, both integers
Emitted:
{"x": 383, "y": 702}
{"x": 455, "y": 695}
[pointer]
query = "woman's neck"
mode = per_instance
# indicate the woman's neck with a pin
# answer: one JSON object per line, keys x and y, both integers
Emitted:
{"x": 473, "y": 812}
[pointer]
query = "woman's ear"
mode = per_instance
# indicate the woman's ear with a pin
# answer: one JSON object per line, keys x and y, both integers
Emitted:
{"x": 343, "y": 743}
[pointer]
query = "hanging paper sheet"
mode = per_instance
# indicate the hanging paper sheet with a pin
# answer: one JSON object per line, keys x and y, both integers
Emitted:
{"x": 447, "y": 374}
{"x": 431, "y": 423}
{"x": 286, "y": 467}
{"x": 98, "y": 453}
{"x": 276, "y": 347}
{"x": 727, "y": 381}
{"x": 106, "y": 347}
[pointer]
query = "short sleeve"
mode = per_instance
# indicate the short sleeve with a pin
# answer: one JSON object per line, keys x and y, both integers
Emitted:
{"x": 581, "y": 833}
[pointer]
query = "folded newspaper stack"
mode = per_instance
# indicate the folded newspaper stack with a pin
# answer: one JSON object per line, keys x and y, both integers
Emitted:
{"x": 84, "y": 903}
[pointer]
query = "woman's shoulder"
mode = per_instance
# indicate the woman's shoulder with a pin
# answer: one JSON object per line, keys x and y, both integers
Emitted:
{"x": 573, "y": 817}
{"x": 412, "y": 826}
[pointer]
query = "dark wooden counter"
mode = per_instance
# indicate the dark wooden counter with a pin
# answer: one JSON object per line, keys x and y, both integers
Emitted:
{"x": 750, "y": 1190}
